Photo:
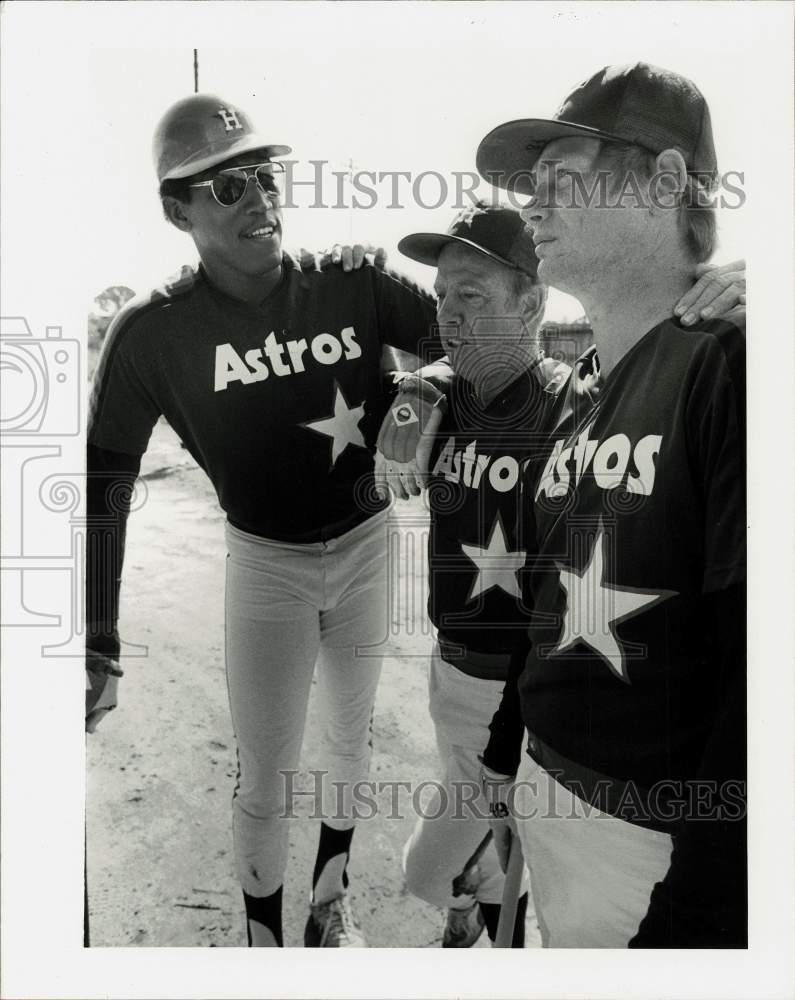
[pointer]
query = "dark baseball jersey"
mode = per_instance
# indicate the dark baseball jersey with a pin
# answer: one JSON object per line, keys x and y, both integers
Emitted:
{"x": 640, "y": 519}
{"x": 476, "y": 547}
{"x": 279, "y": 403}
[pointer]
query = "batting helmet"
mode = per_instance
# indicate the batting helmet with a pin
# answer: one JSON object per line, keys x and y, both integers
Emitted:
{"x": 200, "y": 131}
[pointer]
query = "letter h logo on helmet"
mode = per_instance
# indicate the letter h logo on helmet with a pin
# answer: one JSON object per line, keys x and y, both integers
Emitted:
{"x": 229, "y": 117}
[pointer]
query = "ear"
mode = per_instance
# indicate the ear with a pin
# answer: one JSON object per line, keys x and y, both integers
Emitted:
{"x": 174, "y": 211}
{"x": 669, "y": 182}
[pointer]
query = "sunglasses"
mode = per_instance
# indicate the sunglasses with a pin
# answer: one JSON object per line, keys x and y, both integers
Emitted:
{"x": 230, "y": 185}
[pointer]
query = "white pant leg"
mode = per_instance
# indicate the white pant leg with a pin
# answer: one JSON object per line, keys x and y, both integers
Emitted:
{"x": 438, "y": 849}
{"x": 592, "y": 874}
{"x": 352, "y": 629}
{"x": 346, "y": 689}
{"x": 272, "y": 640}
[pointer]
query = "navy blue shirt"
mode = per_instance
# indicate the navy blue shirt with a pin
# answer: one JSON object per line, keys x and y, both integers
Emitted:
{"x": 640, "y": 516}
{"x": 477, "y": 547}
{"x": 279, "y": 403}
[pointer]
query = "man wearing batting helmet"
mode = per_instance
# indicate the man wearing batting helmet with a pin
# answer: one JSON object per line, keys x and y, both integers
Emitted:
{"x": 270, "y": 374}
{"x": 629, "y": 799}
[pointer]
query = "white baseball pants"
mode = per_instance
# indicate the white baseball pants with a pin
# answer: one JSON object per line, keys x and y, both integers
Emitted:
{"x": 289, "y": 607}
{"x": 461, "y": 708}
{"x": 592, "y": 874}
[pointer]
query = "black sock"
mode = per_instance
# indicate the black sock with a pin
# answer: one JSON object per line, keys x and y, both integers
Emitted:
{"x": 332, "y": 843}
{"x": 491, "y": 915}
{"x": 266, "y": 910}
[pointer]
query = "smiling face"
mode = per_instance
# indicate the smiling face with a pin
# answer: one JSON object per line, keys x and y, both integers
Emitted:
{"x": 481, "y": 316}
{"x": 243, "y": 239}
{"x": 578, "y": 239}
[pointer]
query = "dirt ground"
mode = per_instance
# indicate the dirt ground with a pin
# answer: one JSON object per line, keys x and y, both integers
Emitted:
{"x": 161, "y": 767}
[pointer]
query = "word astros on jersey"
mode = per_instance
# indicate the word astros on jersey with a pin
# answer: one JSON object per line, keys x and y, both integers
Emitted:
{"x": 607, "y": 461}
{"x": 325, "y": 348}
{"x": 467, "y": 467}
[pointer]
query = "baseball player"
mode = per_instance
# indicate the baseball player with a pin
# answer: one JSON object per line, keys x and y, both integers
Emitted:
{"x": 271, "y": 376}
{"x": 500, "y": 393}
{"x": 498, "y": 388}
{"x": 629, "y": 799}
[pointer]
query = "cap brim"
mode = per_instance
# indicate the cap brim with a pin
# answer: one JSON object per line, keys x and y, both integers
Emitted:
{"x": 427, "y": 247}
{"x": 509, "y": 152}
{"x": 203, "y": 160}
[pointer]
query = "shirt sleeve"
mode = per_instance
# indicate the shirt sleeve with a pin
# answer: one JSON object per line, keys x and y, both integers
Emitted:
{"x": 716, "y": 440}
{"x": 440, "y": 375}
{"x": 703, "y": 900}
{"x": 406, "y": 315}
{"x": 122, "y": 408}
{"x": 504, "y": 748}
{"x": 110, "y": 481}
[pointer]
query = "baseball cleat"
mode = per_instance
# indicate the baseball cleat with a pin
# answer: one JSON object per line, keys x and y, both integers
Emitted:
{"x": 463, "y": 927}
{"x": 333, "y": 925}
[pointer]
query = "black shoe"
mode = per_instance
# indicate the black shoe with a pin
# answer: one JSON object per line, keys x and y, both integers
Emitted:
{"x": 463, "y": 927}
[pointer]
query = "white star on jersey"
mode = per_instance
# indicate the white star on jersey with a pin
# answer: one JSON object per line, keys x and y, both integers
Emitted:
{"x": 342, "y": 427}
{"x": 594, "y": 608}
{"x": 497, "y": 567}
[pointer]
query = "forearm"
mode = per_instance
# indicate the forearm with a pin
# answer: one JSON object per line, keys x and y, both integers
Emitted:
{"x": 438, "y": 376}
{"x": 504, "y": 748}
{"x": 110, "y": 481}
{"x": 413, "y": 397}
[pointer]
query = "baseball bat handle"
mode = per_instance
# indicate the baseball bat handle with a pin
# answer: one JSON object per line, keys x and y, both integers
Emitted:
{"x": 510, "y": 895}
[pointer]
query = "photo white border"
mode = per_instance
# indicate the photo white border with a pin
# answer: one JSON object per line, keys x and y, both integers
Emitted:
{"x": 45, "y": 90}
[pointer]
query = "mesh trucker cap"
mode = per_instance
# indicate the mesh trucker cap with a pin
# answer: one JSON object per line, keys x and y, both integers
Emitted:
{"x": 639, "y": 104}
{"x": 494, "y": 230}
{"x": 200, "y": 131}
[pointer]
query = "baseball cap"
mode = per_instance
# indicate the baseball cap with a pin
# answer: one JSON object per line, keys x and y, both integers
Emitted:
{"x": 494, "y": 230}
{"x": 639, "y": 104}
{"x": 202, "y": 130}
